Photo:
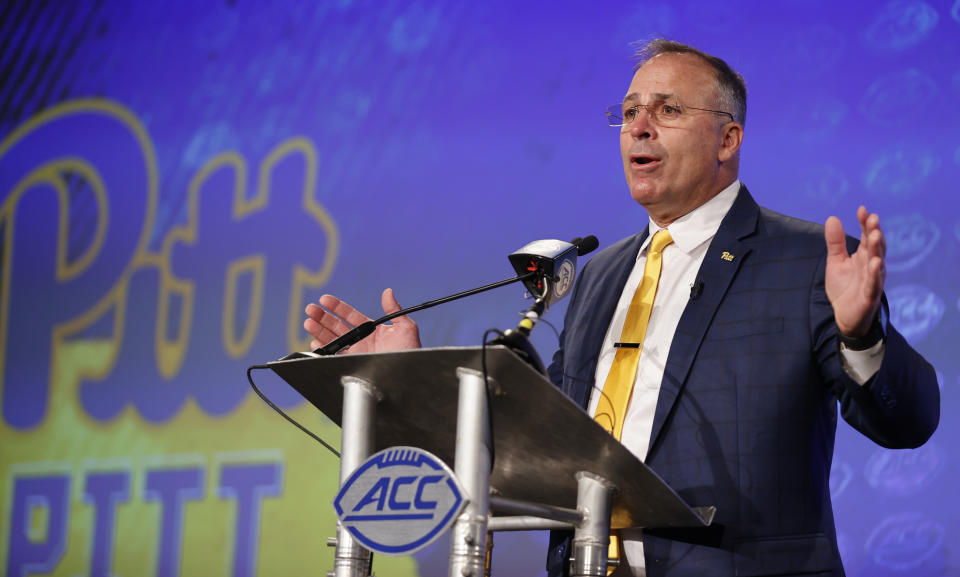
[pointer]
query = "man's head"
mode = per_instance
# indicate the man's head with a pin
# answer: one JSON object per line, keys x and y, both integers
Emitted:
{"x": 676, "y": 162}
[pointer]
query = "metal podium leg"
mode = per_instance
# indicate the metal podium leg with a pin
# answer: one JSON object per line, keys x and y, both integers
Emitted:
{"x": 359, "y": 412}
{"x": 472, "y": 466}
{"x": 592, "y": 535}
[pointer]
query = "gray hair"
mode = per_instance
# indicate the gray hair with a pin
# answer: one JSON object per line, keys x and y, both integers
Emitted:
{"x": 731, "y": 87}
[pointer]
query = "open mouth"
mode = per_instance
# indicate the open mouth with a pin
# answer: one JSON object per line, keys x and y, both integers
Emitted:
{"x": 643, "y": 160}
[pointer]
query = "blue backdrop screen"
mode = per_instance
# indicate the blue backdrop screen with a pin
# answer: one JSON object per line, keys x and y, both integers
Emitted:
{"x": 178, "y": 179}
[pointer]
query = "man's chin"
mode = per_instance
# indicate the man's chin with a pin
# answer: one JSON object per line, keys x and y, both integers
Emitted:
{"x": 644, "y": 194}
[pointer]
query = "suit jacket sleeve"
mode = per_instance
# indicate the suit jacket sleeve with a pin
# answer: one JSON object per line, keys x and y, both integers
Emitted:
{"x": 899, "y": 407}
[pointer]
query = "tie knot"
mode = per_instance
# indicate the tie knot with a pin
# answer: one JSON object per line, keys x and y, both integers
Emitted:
{"x": 660, "y": 240}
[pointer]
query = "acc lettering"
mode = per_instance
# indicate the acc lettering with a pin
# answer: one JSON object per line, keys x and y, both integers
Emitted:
{"x": 418, "y": 501}
{"x": 398, "y": 505}
{"x": 386, "y": 485}
{"x": 377, "y": 493}
{"x": 399, "y": 500}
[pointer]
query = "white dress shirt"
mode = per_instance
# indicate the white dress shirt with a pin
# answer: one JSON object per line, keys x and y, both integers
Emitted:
{"x": 691, "y": 235}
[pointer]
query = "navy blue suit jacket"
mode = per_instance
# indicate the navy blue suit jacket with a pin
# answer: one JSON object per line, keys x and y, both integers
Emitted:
{"x": 747, "y": 412}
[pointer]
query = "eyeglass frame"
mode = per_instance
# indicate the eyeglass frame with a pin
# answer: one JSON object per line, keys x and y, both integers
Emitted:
{"x": 653, "y": 115}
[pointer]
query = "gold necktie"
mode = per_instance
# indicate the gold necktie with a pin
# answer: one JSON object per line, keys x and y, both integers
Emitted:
{"x": 619, "y": 384}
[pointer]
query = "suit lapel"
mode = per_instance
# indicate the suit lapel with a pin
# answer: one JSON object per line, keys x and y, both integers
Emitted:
{"x": 601, "y": 297}
{"x": 726, "y": 254}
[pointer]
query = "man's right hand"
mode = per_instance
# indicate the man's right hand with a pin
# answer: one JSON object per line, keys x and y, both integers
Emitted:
{"x": 401, "y": 334}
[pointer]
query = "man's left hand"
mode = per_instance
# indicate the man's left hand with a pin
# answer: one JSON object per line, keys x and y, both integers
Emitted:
{"x": 854, "y": 282}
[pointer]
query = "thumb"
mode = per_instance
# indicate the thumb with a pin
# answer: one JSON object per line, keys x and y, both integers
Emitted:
{"x": 836, "y": 240}
{"x": 390, "y": 305}
{"x": 389, "y": 302}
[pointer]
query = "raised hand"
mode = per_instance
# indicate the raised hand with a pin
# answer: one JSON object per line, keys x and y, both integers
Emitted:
{"x": 334, "y": 317}
{"x": 854, "y": 282}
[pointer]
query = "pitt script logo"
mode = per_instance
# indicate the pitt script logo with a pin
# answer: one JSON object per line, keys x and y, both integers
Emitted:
{"x": 79, "y": 205}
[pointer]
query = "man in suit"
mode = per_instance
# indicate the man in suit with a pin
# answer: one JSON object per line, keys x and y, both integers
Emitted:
{"x": 754, "y": 326}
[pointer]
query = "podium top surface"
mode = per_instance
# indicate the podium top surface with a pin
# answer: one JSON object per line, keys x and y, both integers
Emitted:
{"x": 541, "y": 438}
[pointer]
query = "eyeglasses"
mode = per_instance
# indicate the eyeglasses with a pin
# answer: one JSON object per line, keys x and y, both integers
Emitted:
{"x": 661, "y": 112}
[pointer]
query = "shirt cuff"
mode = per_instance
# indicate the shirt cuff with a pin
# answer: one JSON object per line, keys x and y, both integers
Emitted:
{"x": 862, "y": 365}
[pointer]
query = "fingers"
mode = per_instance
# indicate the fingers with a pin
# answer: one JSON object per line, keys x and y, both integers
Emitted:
{"x": 346, "y": 312}
{"x": 873, "y": 280}
{"x": 874, "y": 244}
{"x": 871, "y": 236}
{"x": 836, "y": 240}
{"x": 321, "y": 335}
{"x": 877, "y": 272}
{"x": 333, "y": 318}
{"x": 330, "y": 320}
{"x": 323, "y": 326}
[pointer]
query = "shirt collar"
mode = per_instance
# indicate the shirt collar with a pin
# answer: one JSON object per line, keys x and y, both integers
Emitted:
{"x": 699, "y": 225}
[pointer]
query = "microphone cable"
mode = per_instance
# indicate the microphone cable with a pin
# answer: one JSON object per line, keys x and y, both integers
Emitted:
{"x": 260, "y": 394}
{"x": 556, "y": 333}
{"x": 486, "y": 389}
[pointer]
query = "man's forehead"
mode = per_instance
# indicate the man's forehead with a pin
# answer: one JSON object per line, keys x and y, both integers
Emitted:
{"x": 671, "y": 76}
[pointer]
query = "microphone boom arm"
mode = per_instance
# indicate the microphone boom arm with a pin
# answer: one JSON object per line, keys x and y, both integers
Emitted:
{"x": 361, "y": 331}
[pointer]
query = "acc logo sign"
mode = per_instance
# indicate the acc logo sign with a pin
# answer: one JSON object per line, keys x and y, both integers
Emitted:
{"x": 915, "y": 310}
{"x": 905, "y": 472}
{"x": 564, "y": 279}
{"x": 399, "y": 500}
{"x": 907, "y": 541}
{"x": 910, "y": 239}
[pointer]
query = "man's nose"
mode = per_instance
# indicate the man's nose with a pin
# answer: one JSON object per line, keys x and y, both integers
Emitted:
{"x": 643, "y": 125}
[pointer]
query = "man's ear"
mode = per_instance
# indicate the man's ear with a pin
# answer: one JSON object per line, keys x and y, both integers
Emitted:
{"x": 731, "y": 137}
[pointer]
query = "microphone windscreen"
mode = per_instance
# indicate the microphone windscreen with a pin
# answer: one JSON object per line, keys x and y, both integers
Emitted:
{"x": 587, "y": 245}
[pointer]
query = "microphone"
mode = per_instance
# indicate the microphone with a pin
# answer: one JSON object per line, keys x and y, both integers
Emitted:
{"x": 544, "y": 263}
{"x": 556, "y": 262}
{"x": 696, "y": 289}
{"x": 533, "y": 314}
{"x": 586, "y": 245}
{"x": 550, "y": 255}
